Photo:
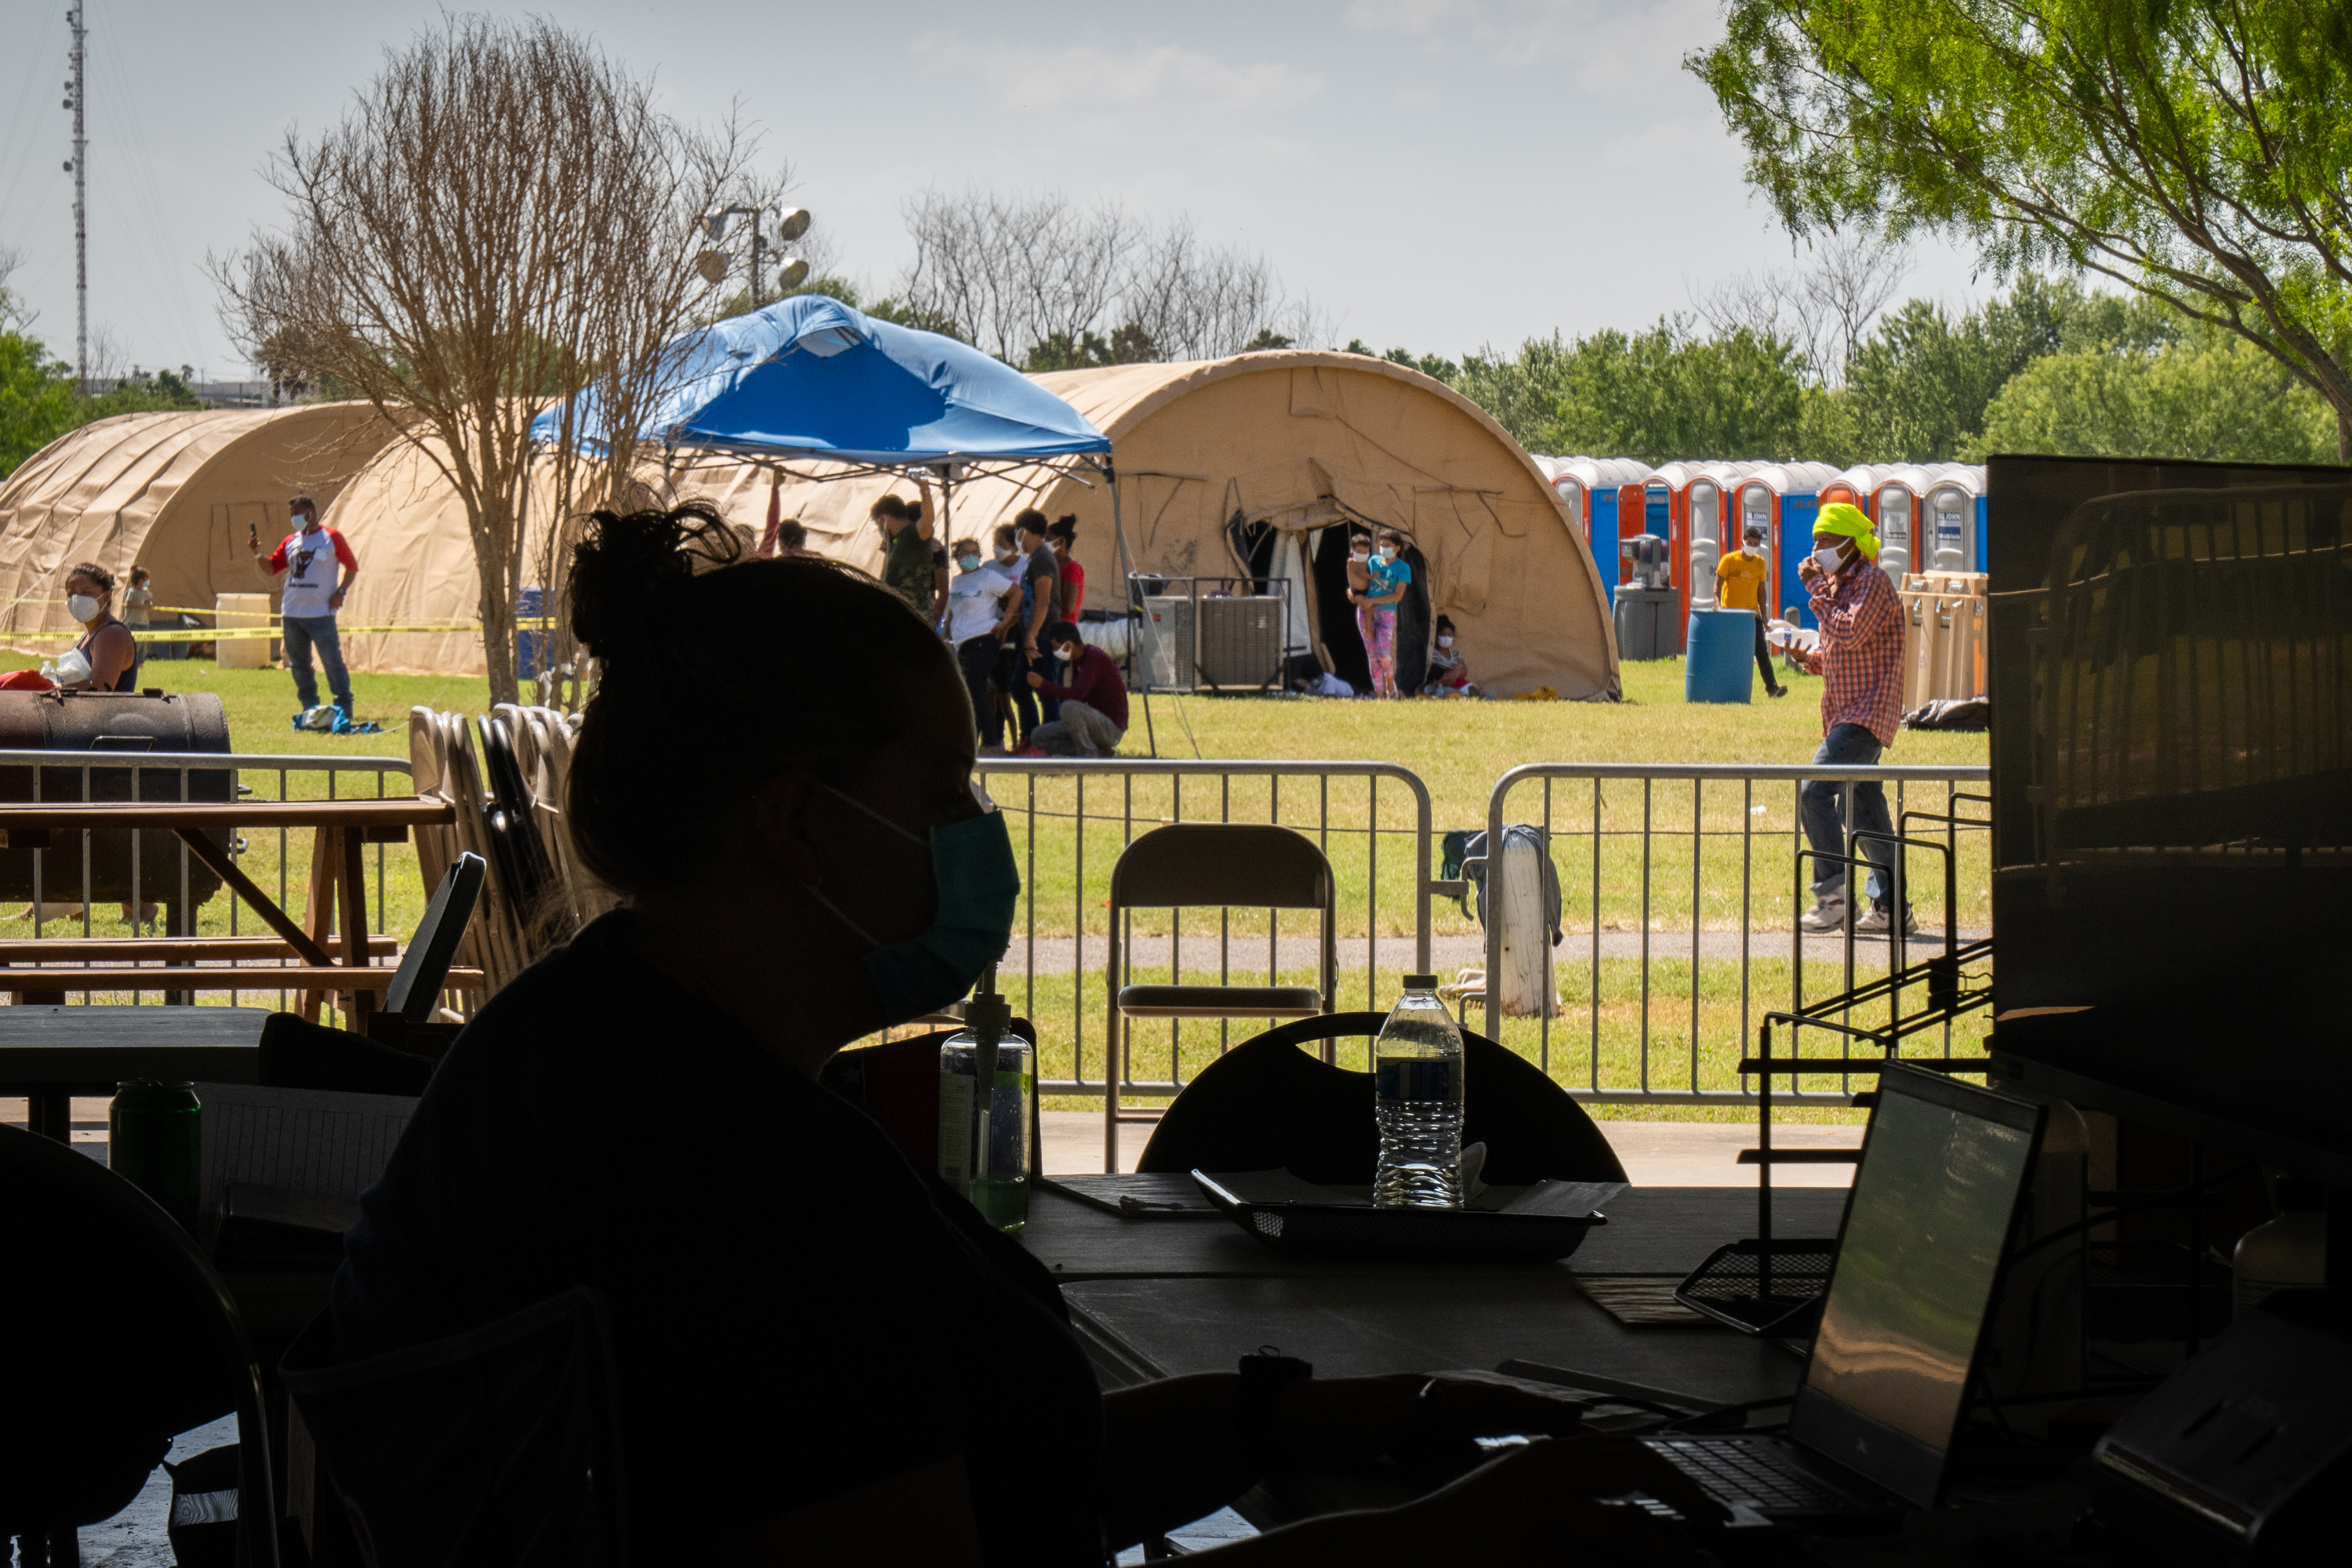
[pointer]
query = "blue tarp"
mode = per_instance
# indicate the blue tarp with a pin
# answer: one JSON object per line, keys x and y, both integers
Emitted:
{"x": 810, "y": 377}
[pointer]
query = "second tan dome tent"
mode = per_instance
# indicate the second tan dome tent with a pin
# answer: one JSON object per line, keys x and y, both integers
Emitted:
{"x": 1212, "y": 454}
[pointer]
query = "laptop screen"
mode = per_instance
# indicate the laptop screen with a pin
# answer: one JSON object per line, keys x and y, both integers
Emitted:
{"x": 1925, "y": 1229}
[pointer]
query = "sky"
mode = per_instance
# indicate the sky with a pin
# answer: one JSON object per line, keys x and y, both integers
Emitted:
{"x": 1438, "y": 174}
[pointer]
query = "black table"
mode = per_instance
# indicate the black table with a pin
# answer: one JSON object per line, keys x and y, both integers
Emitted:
{"x": 51, "y": 1054}
{"x": 1162, "y": 1297}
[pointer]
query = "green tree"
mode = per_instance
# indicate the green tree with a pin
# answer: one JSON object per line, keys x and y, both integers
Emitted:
{"x": 36, "y": 399}
{"x": 2193, "y": 150}
{"x": 1657, "y": 394}
{"x": 2216, "y": 397}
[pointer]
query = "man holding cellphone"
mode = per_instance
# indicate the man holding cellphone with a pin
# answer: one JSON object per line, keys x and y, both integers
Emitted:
{"x": 320, "y": 568}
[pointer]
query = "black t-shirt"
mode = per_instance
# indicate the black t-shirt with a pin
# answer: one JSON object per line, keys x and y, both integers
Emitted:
{"x": 797, "y": 1310}
{"x": 1043, "y": 577}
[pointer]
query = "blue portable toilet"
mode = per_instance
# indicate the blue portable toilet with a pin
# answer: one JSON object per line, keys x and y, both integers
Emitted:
{"x": 1599, "y": 493}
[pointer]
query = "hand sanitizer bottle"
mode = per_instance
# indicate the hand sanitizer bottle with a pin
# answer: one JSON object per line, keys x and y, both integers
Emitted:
{"x": 984, "y": 1138}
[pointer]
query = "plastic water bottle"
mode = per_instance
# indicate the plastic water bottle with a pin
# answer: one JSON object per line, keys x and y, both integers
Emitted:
{"x": 1417, "y": 1080}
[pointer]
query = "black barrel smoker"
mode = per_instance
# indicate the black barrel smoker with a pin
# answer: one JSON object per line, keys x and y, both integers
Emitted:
{"x": 125, "y": 721}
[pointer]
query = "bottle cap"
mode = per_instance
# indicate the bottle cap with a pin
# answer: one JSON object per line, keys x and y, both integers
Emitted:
{"x": 1420, "y": 982}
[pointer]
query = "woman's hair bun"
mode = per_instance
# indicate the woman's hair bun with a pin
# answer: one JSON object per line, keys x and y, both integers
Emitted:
{"x": 628, "y": 566}
{"x": 1065, "y": 527}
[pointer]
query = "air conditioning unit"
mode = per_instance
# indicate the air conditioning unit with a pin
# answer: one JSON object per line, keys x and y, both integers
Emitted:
{"x": 1240, "y": 643}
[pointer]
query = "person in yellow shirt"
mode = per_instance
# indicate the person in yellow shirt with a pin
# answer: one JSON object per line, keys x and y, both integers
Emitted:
{"x": 1738, "y": 585}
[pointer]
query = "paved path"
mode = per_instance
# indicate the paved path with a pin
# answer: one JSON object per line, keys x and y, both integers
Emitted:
{"x": 1059, "y": 954}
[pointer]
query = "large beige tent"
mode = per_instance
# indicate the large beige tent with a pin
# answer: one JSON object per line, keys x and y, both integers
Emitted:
{"x": 171, "y": 492}
{"x": 1281, "y": 446}
{"x": 1210, "y": 454}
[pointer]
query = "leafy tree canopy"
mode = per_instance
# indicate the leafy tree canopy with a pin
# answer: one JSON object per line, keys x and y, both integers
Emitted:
{"x": 2193, "y": 150}
{"x": 38, "y": 402}
{"x": 1657, "y": 394}
{"x": 2213, "y": 397}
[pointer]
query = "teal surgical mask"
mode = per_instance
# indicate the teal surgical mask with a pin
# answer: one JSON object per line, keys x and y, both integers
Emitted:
{"x": 968, "y": 563}
{"x": 979, "y": 887}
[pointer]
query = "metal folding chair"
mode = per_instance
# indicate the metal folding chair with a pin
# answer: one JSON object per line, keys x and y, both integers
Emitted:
{"x": 1221, "y": 865}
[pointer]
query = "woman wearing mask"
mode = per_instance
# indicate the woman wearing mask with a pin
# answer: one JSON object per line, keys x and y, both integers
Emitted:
{"x": 105, "y": 643}
{"x": 1376, "y": 613}
{"x": 984, "y": 604}
{"x": 776, "y": 1272}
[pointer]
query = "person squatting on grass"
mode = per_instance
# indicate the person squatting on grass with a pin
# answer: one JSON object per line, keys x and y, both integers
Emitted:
{"x": 1093, "y": 704}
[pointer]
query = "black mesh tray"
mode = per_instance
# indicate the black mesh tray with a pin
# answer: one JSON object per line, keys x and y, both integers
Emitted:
{"x": 1725, "y": 1287}
{"x": 1357, "y": 1227}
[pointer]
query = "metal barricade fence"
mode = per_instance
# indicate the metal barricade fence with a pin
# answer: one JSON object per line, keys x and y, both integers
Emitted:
{"x": 1682, "y": 888}
{"x": 1070, "y": 819}
{"x": 62, "y": 876}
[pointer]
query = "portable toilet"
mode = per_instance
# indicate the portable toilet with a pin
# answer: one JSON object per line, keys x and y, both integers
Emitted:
{"x": 1686, "y": 503}
{"x": 1598, "y": 492}
{"x": 1782, "y": 498}
{"x": 1954, "y": 510}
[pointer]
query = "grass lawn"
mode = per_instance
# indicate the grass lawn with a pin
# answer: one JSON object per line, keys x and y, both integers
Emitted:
{"x": 1457, "y": 748}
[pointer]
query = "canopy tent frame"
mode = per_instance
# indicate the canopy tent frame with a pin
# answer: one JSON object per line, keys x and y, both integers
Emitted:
{"x": 824, "y": 328}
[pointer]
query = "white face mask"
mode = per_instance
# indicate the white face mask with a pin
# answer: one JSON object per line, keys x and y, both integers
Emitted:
{"x": 1827, "y": 557}
{"x": 1069, "y": 655}
{"x": 1445, "y": 642}
{"x": 1361, "y": 556}
{"x": 1006, "y": 553}
{"x": 1387, "y": 553}
{"x": 81, "y": 608}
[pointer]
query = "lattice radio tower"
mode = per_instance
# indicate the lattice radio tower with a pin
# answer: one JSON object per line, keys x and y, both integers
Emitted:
{"x": 75, "y": 99}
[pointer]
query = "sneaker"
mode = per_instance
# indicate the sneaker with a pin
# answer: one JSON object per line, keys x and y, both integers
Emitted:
{"x": 1030, "y": 751}
{"x": 1875, "y": 919}
{"x": 1827, "y": 914}
{"x": 1776, "y": 691}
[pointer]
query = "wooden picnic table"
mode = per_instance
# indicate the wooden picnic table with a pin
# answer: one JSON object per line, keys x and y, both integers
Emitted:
{"x": 343, "y": 828}
{"x": 49, "y": 1054}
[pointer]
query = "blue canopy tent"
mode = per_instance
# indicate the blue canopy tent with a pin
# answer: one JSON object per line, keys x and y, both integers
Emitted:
{"x": 809, "y": 377}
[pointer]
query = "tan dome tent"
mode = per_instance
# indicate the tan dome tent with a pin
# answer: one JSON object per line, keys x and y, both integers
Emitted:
{"x": 1244, "y": 467}
{"x": 171, "y": 492}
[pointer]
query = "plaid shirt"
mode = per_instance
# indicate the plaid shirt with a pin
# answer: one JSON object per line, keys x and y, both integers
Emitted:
{"x": 1861, "y": 652}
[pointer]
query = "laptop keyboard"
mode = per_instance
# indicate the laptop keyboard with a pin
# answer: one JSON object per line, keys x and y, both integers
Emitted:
{"x": 1752, "y": 1473}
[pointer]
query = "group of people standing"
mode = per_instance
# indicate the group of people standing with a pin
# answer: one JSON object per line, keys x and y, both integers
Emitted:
{"x": 1011, "y": 614}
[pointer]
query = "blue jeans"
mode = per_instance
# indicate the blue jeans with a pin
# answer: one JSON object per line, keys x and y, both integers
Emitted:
{"x": 302, "y": 634}
{"x": 1822, "y": 803}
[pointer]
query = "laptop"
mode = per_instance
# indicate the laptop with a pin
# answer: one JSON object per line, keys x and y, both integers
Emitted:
{"x": 1944, "y": 1167}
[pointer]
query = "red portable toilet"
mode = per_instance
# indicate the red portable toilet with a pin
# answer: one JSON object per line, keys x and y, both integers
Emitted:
{"x": 1697, "y": 497}
{"x": 1600, "y": 492}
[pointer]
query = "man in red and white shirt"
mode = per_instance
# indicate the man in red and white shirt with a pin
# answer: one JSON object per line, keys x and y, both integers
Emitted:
{"x": 320, "y": 568}
{"x": 1861, "y": 661}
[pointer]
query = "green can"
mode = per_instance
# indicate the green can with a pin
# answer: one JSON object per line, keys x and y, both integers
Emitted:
{"x": 154, "y": 1142}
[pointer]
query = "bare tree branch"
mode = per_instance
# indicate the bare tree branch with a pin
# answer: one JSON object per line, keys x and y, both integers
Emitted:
{"x": 501, "y": 219}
